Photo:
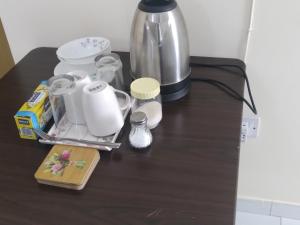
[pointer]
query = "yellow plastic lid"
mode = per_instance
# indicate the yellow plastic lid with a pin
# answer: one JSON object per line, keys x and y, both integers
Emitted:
{"x": 145, "y": 88}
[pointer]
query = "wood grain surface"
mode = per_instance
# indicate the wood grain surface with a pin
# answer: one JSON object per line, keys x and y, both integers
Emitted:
{"x": 187, "y": 177}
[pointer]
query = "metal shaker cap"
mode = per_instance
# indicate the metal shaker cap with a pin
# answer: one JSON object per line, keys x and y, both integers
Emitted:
{"x": 138, "y": 118}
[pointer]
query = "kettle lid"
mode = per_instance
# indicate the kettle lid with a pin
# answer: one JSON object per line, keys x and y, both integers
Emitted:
{"x": 157, "y": 6}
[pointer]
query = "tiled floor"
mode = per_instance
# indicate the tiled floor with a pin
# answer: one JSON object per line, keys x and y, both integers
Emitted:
{"x": 285, "y": 221}
{"x": 256, "y": 219}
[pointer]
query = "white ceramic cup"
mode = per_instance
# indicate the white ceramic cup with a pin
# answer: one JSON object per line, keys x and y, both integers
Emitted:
{"x": 73, "y": 103}
{"x": 102, "y": 112}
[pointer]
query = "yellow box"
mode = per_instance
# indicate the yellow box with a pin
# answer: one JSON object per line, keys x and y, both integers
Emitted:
{"x": 35, "y": 113}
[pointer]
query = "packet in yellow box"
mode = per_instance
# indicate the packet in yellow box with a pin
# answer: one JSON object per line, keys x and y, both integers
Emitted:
{"x": 35, "y": 113}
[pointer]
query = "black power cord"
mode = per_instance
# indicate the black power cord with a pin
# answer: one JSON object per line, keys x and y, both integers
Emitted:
{"x": 225, "y": 87}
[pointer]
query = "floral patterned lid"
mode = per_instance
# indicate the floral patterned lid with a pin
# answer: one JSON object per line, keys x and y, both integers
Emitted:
{"x": 67, "y": 166}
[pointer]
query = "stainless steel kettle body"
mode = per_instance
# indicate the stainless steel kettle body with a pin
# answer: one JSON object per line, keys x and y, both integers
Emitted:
{"x": 160, "y": 49}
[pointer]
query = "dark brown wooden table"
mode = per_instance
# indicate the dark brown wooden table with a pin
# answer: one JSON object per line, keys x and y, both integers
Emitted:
{"x": 189, "y": 176}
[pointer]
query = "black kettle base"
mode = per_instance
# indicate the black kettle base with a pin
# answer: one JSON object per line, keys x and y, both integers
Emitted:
{"x": 174, "y": 92}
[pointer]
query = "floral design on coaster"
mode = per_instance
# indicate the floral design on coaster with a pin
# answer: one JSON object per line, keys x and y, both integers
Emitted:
{"x": 58, "y": 162}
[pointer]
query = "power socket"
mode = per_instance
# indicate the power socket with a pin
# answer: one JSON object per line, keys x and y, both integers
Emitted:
{"x": 250, "y": 128}
{"x": 253, "y": 126}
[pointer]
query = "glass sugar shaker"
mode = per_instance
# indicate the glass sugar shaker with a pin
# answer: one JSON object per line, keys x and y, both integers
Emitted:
{"x": 140, "y": 136}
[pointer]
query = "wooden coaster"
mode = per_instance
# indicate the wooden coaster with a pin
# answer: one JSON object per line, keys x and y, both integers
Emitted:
{"x": 68, "y": 167}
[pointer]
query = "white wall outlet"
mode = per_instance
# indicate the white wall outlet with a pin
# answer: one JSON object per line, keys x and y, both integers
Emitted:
{"x": 253, "y": 126}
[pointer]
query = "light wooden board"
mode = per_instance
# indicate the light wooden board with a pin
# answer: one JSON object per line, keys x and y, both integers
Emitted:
{"x": 72, "y": 175}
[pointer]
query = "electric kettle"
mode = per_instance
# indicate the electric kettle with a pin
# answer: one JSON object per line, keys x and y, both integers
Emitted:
{"x": 159, "y": 47}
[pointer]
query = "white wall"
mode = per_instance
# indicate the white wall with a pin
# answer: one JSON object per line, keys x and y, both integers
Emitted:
{"x": 270, "y": 165}
{"x": 216, "y": 27}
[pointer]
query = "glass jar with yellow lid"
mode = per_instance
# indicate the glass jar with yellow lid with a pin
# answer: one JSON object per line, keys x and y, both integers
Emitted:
{"x": 147, "y": 99}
